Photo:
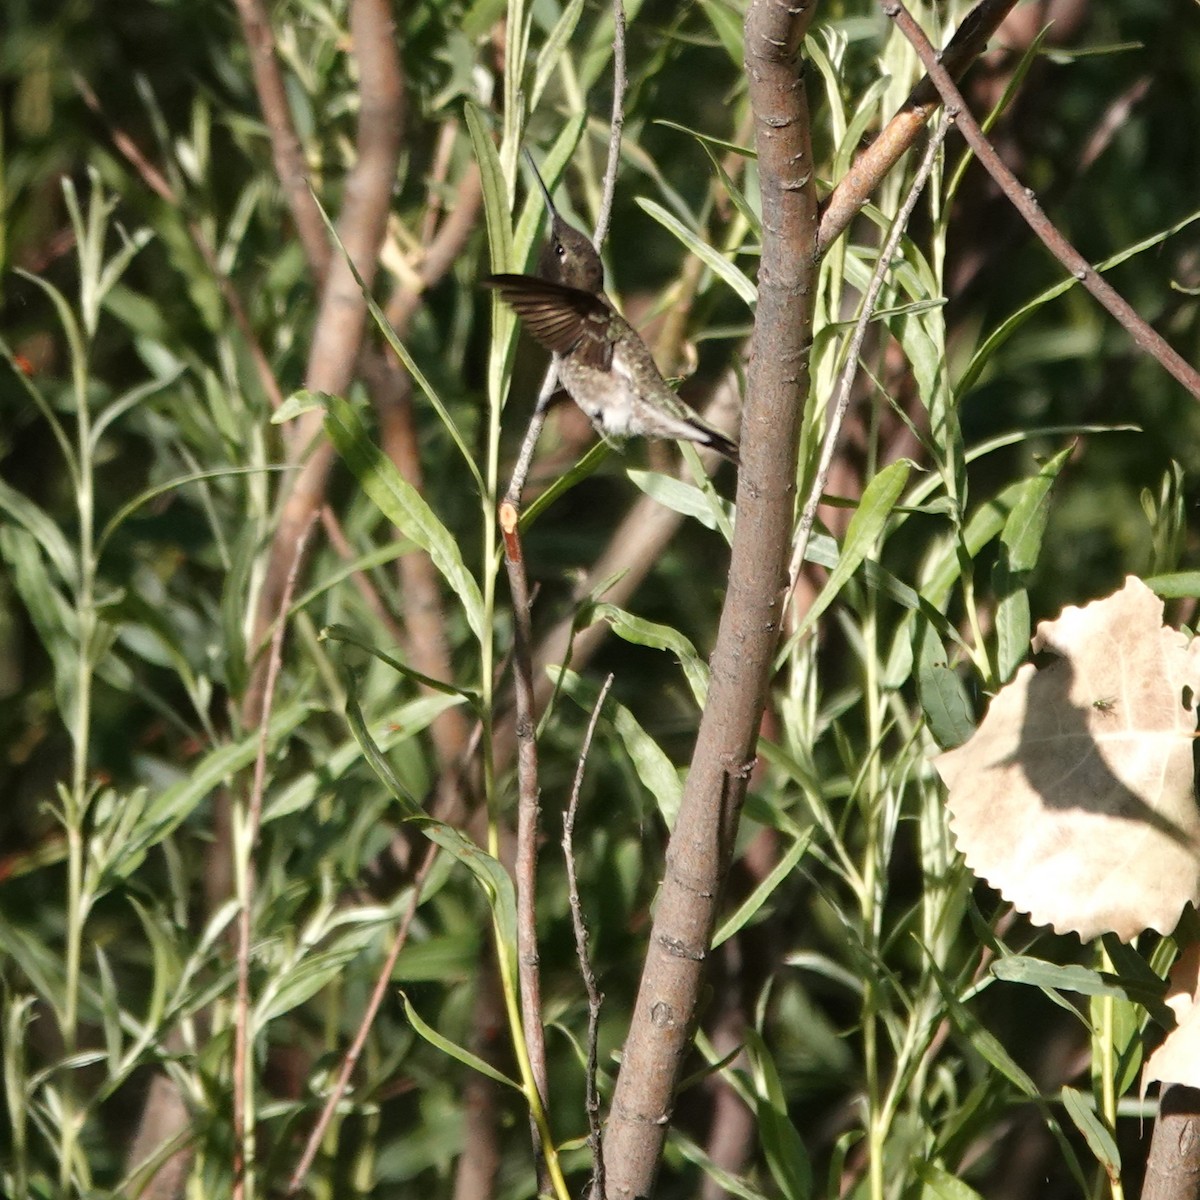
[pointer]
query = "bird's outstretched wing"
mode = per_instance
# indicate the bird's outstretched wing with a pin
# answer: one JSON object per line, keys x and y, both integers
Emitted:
{"x": 563, "y": 319}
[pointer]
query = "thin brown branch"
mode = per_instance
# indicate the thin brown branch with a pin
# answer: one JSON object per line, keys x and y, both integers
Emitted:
{"x": 286, "y": 150}
{"x": 1023, "y": 199}
{"x": 841, "y": 398}
{"x": 383, "y": 983}
{"x": 243, "y": 1126}
{"x": 528, "y": 809}
{"x": 855, "y": 188}
{"x": 592, "y": 1101}
{"x": 616, "y": 124}
{"x": 702, "y": 842}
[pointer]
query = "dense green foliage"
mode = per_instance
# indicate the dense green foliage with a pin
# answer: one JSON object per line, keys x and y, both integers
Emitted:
{"x": 139, "y": 481}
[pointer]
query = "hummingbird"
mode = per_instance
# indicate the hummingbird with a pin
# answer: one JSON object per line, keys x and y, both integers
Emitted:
{"x": 603, "y": 363}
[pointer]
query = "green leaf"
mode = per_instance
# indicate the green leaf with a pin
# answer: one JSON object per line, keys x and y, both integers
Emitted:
{"x": 35, "y": 521}
{"x": 454, "y": 1050}
{"x": 943, "y": 696}
{"x": 786, "y": 1156}
{"x": 404, "y": 506}
{"x": 640, "y": 632}
{"x": 410, "y": 365}
{"x": 552, "y": 50}
{"x": 710, "y": 256}
{"x": 1100, "y": 1141}
{"x": 727, "y": 23}
{"x": 762, "y": 893}
{"x": 495, "y": 191}
{"x": 1147, "y": 990}
{"x": 1012, "y": 323}
{"x": 941, "y": 1185}
{"x": 865, "y": 527}
{"x": 684, "y": 498}
{"x": 1020, "y": 546}
{"x": 495, "y": 881}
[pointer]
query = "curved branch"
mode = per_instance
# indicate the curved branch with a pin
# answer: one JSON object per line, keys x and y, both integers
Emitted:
{"x": 855, "y": 187}
{"x": 1024, "y": 201}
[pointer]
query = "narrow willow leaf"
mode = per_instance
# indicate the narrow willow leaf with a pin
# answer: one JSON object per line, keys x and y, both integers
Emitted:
{"x": 343, "y": 633}
{"x": 1020, "y": 547}
{"x": 1012, "y": 323}
{"x": 943, "y": 696}
{"x": 1020, "y": 968}
{"x": 552, "y": 49}
{"x": 495, "y": 190}
{"x": 25, "y": 513}
{"x": 1100, "y": 1141}
{"x": 410, "y": 365}
{"x": 710, "y": 256}
{"x": 404, "y": 506}
{"x": 762, "y": 893}
{"x": 865, "y": 527}
{"x": 641, "y": 632}
{"x": 729, "y": 1183}
{"x": 786, "y": 1156}
{"x": 684, "y": 498}
{"x": 708, "y": 140}
{"x": 495, "y": 881}
{"x": 454, "y": 1050}
{"x": 939, "y": 1184}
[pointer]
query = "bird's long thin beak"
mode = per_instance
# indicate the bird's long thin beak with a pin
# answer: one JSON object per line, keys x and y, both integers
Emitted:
{"x": 541, "y": 184}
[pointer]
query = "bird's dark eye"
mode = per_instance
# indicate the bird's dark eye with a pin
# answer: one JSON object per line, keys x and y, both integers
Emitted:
{"x": 560, "y": 250}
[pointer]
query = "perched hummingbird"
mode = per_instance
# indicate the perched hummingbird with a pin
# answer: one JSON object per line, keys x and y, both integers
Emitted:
{"x": 603, "y": 363}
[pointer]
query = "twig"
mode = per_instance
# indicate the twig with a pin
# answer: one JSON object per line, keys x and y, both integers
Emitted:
{"x": 592, "y": 1103}
{"x": 617, "y": 123}
{"x": 243, "y": 1125}
{"x": 527, "y": 802}
{"x": 841, "y": 400}
{"x": 703, "y": 840}
{"x": 382, "y": 984}
{"x": 855, "y": 187}
{"x": 286, "y": 150}
{"x": 1024, "y": 201}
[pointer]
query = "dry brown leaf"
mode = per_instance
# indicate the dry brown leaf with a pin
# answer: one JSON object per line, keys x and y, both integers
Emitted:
{"x": 1177, "y": 1060}
{"x": 1074, "y": 797}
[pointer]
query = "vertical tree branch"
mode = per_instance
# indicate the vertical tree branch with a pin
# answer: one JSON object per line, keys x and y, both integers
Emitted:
{"x": 701, "y": 844}
{"x": 342, "y": 314}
